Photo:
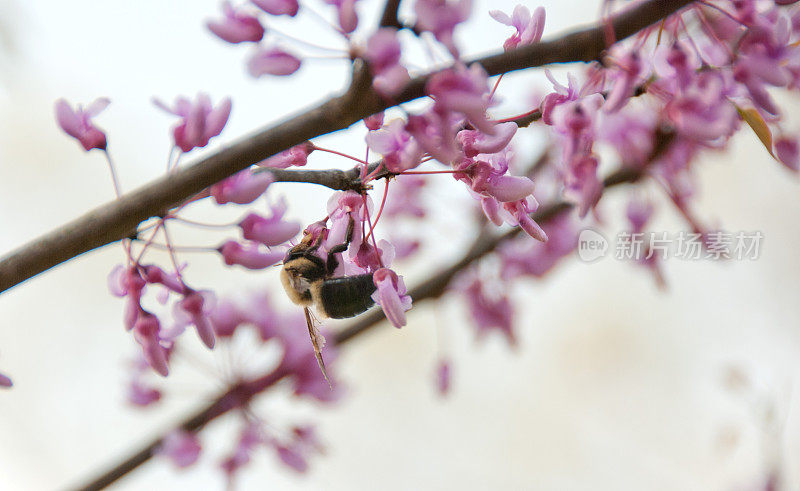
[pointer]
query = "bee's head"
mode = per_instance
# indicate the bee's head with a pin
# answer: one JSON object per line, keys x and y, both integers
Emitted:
{"x": 299, "y": 272}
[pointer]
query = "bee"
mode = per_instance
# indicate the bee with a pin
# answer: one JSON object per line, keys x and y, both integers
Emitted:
{"x": 308, "y": 280}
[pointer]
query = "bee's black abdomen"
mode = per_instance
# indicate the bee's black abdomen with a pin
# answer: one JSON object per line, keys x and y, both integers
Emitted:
{"x": 346, "y": 296}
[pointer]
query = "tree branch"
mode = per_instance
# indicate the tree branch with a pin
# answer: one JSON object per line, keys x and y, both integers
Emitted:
{"x": 119, "y": 219}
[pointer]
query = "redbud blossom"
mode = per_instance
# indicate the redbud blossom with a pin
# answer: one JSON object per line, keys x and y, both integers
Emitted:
{"x": 181, "y": 447}
{"x": 278, "y": 7}
{"x": 272, "y": 231}
{"x": 146, "y": 331}
{"x": 391, "y": 295}
{"x": 200, "y": 121}
{"x": 241, "y": 188}
{"x": 142, "y": 396}
{"x": 374, "y": 122}
{"x": 490, "y": 311}
{"x": 273, "y": 61}
{"x": 474, "y": 142}
{"x": 346, "y": 10}
{"x": 77, "y": 123}
{"x": 5, "y": 381}
{"x": 249, "y": 256}
{"x": 383, "y": 54}
{"x": 236, "y": 27}
{"x": 441, "y": 17}
{"x": 399, "y": 150}
{"x": 463, "y": 90}
{"x": 529, "y": 28}
{"x": 788, "y": 152}
{"x": 195, "y": 308}
{"x": 226, "y": 317}
{"x": 526, "y": 257}
{"x": 443, "y": 377}
{"x": 249, "y": 439}
{"x": 296, "y": 156}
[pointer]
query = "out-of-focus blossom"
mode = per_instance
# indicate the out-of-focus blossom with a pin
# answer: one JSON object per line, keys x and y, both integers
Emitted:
{"x": 273, "y": 61}
{"x": 399, "y": 150}
{"x": 241, "y": 188}
{"x": 296, "y": 156}
{"x": 226, "y": 317}
{"x": 702, "y": 111}
{"x": 529, "y": 27}
{"x": 195, "y": 308}
{"x": 391, "y": 295}
{"x": 250, "y": 255}
{"x": 525, "y": 257}
{"x": 78, "y": 123}
{"x": 625, "y": 76}
{"x": 236, "y": 26}
{"x": 278, "y": 7}
{"x": 271, "y": 231}
{"x": 181, "y": 448}
{"x": 147, "y": 332}
{"x": 5, "y": 381}
{"x": 405, "y": 197}
{"x": 383, "y": 54}
{"x": 490, "y": 312}
{"x": 441, "y": 17}
{"x": 200, "y": 121}
{"x": 582, "y": 183}
{"x": 787, "y": 151}
{"x": 346, "y": 10}
{"x": 249, "y": 439}
{"x": 433, "y": 132}
{"x": 463, "y": 90}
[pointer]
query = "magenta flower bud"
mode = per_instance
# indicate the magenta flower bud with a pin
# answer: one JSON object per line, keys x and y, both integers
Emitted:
{"x": 346, "y": 10}
{"x": 236, "y": 27}
{"x": 490, "y": 312}
{"x": 383, "y": 55}
{"x": 292, "y": 458}
{"x": 391, "y": 296}
{"x": 241, "y": 188}
{"x": 5, "y": 381}
{"x": 200, "y": 121}
{"x": 508, "y": 188}
{"x": 296, "y": 156}
{"x": 788, "y": 152}
{"x": 146, "y": 332}
{"x": 273, "y": 61}
{"x": 154, "y": 274}
{"x": 78, "y": 123}
{"x": 249, "y": 256}
{"x": 271, "y": 231}
{"x": 196, "y": 309}
{"x": 278, "y": 7}
{"x": 181, "y": 447}
{"x": 441, "y": 18}
{"x": 465, "y": 91}
{"x": 374, "y": 122}
{"x": 475, "y": 142}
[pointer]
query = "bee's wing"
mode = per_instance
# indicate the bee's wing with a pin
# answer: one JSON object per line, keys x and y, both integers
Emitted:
{"x": 318, "y": 340}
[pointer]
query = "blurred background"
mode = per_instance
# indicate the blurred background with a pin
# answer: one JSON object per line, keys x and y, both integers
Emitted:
{"x": 614, "y": 384}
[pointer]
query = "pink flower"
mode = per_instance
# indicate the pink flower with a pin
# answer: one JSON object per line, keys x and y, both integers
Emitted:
{"x": 270, "y": 231}
{"x": 249, "y": 256}
{"x": 273, "y": 61}
{"x": 241, "y": 188}
{"x": 296, "y": 156}
{"x": 490, "y": 312}
{"x": 77, "y": 123}
{"x": 788, "y": 152}
{"x": 625, "y": 76}
{"x": 181, "y": 447}
{"x": 142, "y": 396}
{"x": 226, "y": 317}
{"x": 529, "y": 28}
{"x": 249, "y": 439}
{"x": 443, "y": 377}
{"x": 195, "y": 308}
{"x": 374, "y": 122}
{"x": 526, "y": 257}
{"x": 391, "y": 296}
{"x": 465, "y": 91}
{"x": 399, "y": 150}
{"x": 146, "y": 331}
{"x": 200, "y": 121}
{"x": 236, "y": 27}
{"x": 346, "y": 10}
{"x": 383, "y": 54}
{"x": 5, "y": 381}
{"x": 441, "y": 17}
{"x": 474, "y": 142}
{"x": 278, "y": 7}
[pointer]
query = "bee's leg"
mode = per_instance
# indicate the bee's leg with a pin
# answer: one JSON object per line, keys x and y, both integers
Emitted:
{"x": 332, "y": 262}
